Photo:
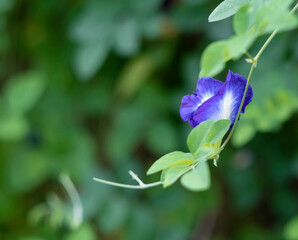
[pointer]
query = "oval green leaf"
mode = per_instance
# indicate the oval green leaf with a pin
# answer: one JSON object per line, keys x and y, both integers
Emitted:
{"x": 170, "y": 160}
{"x": 172, "y": 174}
{"x": 226, "y": 9}
{"x": 197, "y": 179}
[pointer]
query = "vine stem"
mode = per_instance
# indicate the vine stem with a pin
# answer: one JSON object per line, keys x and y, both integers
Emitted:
{"x": 253, "y": 66}
{"x": 134, "y": 177}
{"x": 256, "y": 58}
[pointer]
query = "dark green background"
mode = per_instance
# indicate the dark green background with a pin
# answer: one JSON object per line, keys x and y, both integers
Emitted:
{"x": 93, "y": 89}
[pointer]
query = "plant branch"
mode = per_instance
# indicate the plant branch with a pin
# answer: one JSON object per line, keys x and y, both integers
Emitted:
{"x": 250, "y": 58}
{"x": 135, "y": 177}
{"x": 256, "y": 58}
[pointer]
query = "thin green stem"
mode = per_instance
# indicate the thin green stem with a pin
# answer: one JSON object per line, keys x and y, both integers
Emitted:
{"x": 266, "y": 44}
{"x": 127, "y": 185}
{"x": 134, "y": 177}
{"x": 250, "y": 57}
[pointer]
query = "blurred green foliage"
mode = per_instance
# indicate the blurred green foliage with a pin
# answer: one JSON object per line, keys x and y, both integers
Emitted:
{"x": 93, "y": 88}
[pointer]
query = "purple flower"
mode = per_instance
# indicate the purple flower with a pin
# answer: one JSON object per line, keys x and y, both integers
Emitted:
{"x": 215, "y": 100}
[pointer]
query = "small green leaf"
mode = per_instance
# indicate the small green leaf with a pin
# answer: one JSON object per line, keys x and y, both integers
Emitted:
{"x": 213, "y": 58}
{"x": 172, "y": 174}
{"x": 226, "y": 9}
{"x": 218, "y": 130}
{"x": 24, "y": 91}
{"x": 257, "y": 18}
{"x": 170, "y": 160}
{"x": 197, "y": 135}
{"x": 203, "y": 140}
{"x": 266, "y": 22}
{"x": 197, "y": 179}
{"x": 238, "y": 44}
{"x": 217, "y": 53}
{"x": 242, "y": 20}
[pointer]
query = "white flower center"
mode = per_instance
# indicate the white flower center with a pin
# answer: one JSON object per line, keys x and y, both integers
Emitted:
{"x": 226, "y": 106}
{"x": 204, "y": 98}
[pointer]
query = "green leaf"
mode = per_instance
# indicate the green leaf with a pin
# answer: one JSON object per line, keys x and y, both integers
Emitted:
{"x": 202, "y": 140}
{"x": 213, "y": 58}
{"x": 198, "y": 135}
{"x": 226, "y": 9}
{"x": 218, "y": 130}
{"x": 170, "y": 160}
{"x": 217, "y": 53}
{"x": 266, "y": 22}
{"x": 257, "y": 18}
{"x": 89, "y": 58}
{"x": 172, "y": 174}
{"x": 242, "y": 20}
{"x": 24, "y": 91}
{"x": 197, "y": 179}
{"x": 237, "y": 45}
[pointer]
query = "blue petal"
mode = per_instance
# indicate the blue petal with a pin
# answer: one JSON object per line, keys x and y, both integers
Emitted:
{"x": 206, "y": 88}
{"x": 189, "y": 105}
{"x": 226, "y": 102}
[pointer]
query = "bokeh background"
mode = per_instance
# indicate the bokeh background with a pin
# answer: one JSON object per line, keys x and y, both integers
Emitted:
{"x": 93, "y": 88}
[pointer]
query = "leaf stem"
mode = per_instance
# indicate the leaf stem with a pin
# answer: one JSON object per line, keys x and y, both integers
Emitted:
{"x": 256, "y": 58}
{"x": 250, "y": 57}
{"x": 135, "y": 177}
